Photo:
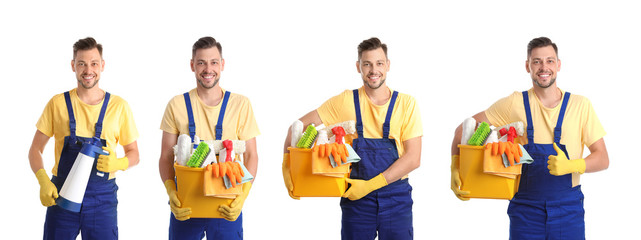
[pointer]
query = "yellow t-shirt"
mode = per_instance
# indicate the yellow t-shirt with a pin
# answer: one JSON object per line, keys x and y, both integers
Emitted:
{"x": 581, "y": 126}
{"x": 118, "y": 125}
{"x": 238, "y": 124}
{"x": 405, "y": 122}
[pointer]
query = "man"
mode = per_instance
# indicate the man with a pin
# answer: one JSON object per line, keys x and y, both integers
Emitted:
{"x": 208, "y": 101}
{"x": 84, "y": 115}
{"x": 379, "y": 197}
{"x": 549, "y": 203}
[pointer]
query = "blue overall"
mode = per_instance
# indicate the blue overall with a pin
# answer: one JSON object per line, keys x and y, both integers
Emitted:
{"x": 97, "y": 218}
{"x": 216, "y": 228}
{"x": 387, "y": 210}
{"x": 546, "y": 206}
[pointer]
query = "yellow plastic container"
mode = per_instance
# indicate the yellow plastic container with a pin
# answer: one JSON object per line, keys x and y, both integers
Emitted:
{"x": 191, "y": 193}
{"x": 478, "y": 183}
{"x": 307, "y": 184}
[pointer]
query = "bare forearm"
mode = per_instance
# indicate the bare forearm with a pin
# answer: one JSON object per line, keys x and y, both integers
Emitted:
{"x": 598, "y": 159}
{"x": 35, "y": 160}
{"x": 457, "y": 140}
{"x": 132, "y": 154}
{"x": 166, "y": 168}
{"x": 250, "y": 157}
{"x": 407, "y": 163}
{"x": 402, "y": 167}
{"x": 166, "y": 161}
{"x": 35, "y": 152}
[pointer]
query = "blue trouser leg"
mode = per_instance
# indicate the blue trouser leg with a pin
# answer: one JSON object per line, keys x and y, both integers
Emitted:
{"x": 99, "y": 213}
{"x": 388, "y": 211}
{"x": 359, "y": 218}
{"x": 97, "y": 218}
{"x": 61, "y": 224}
{"x": 215, "y": 228}
{"x": 395, "y": 220}
{"x": 547, "y": 219}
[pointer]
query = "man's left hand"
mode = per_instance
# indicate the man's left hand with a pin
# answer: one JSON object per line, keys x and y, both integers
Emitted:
{"x": 109, "y": 163}
{"x": 560, "y": 165}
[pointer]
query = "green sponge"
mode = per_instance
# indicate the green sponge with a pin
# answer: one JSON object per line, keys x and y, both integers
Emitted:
{"x": 199, "y": 155}
{"x": 480, "y": 135}
{"x": 308, "y": 137}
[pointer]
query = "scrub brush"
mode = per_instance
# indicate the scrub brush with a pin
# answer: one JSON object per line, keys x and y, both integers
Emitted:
{"x": 308, "y": 137}
{"x": 199, "y": 155}
{"x": 480, "y": 134}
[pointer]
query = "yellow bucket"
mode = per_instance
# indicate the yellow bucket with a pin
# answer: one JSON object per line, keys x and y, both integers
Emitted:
{"x": 307, "y": 184}
{"x": 478, "y": 183}
{"x": 191, "y": 193}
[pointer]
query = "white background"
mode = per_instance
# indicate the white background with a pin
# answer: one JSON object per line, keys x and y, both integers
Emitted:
{"x": 455, "y": 57}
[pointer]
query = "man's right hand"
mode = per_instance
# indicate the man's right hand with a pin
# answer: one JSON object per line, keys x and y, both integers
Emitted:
{"x": 456, "y": 180}
{"x": 48, "y": 191}
{"x": 181, "y": 214}
{"x": 287, "y": 176}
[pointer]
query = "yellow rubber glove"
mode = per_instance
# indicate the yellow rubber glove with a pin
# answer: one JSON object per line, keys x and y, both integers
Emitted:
{"x": 109, "y": 163}
{"x": 48, "y": 191}
{"x": 232, "y": 211}
{"x": 360, "y": 188}
{"x": 287, "y": 176}
{"x": 456, "y": 180}
{"x": 181, "y": 214}
{"x": 560, "y": 165}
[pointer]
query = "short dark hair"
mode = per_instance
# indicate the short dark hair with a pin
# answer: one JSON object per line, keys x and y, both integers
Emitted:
{"x": 87, "y": 43}
{"x": 541, "y": 42}
{"x": 371, "y": 44}
{"x": 205, "y": 43}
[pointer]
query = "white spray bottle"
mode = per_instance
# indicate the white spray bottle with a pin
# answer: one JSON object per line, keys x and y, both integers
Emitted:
{"x": 73, "y": 190}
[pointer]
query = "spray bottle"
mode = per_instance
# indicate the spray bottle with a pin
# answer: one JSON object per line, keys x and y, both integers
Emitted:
{"x": 73, "y": 190}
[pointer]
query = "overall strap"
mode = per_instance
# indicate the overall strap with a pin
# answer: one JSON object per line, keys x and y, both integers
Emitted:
{"x": 357, "y": 108}
{"x": 386, "y": 125}
{"x": 190, "y": 115}
{"x": 528, "y": 115}
{"x": 102, "y": 114}
{"x": 72, "y": 119}
{"x": 388, "y": 116}
{"x": 221, "y": 116}
{"x": 559, "y": 122}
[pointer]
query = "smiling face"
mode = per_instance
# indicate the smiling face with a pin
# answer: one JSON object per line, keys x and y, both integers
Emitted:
{"x": 88, "y": 65}
{"x": 207, "y": 64}
{"x": 543, "y": 64}
{"x": 373, "y": 67}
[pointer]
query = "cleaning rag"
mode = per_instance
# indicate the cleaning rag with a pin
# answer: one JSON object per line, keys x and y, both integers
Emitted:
{"x": 493, "y": 164}
{"x": 215, "y": 186}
